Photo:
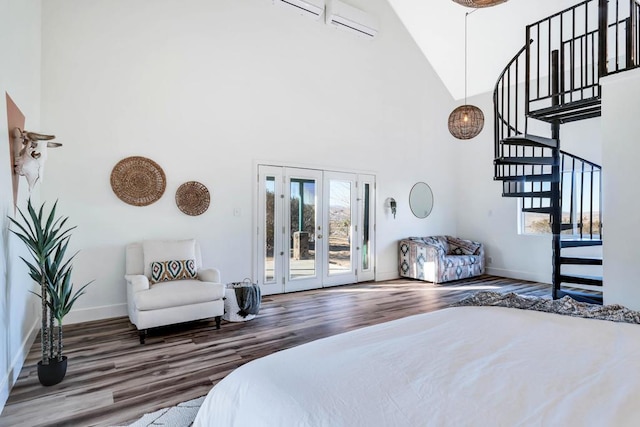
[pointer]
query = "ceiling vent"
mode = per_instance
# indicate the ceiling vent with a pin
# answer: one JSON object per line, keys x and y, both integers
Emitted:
{"x": 311, "y": 8}
{"x": 348, "y": 18}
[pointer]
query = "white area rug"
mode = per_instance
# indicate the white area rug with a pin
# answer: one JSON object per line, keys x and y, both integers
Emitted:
{"x": 181, "y": 415}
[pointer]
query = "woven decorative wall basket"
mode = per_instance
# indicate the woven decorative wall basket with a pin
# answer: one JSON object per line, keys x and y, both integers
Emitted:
{"x": 138, "y": 181}
{"x": 193, "y": 198}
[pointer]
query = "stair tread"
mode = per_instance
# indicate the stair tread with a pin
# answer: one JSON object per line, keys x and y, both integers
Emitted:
{"x": 569, "y": 111}
{"x": 531, "y": 140}
{"x": 543, "y": 194}
{"x": 567, "y": 117}
{"x": 573, "y": 243}
{"x": 579, "y": 278}
{"x": 537, "y": 210}
{"x": 547, "y": 177}
{"x": 544, "y": 161}
{"x": 582, "y": 276}
{"x": 581, "y": 260}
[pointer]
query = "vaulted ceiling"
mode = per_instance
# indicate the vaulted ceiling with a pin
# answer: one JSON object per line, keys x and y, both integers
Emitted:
{"x": 494, "y": 35}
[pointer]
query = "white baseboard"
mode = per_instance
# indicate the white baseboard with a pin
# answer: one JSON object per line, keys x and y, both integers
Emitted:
{"x": 17, "y": 363}
{"x": 95, "y": 313}
{"x": 521, "y": 275}
{"x": 512, "y": 274}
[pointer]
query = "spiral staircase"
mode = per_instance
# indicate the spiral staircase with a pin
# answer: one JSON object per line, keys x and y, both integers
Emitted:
{"x": 554, "y": 80}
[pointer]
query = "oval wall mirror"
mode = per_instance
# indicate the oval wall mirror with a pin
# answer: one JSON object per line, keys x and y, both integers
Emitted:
{"x": 421, "y": 200}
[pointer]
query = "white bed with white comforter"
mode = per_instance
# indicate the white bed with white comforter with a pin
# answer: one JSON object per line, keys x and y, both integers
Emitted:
{"x": 462, "y": 366}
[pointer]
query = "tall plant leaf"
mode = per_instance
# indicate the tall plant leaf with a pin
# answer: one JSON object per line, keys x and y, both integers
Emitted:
{"x": 47, "y": 239}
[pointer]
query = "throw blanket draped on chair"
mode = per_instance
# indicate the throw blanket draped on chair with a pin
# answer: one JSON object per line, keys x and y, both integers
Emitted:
{"x": 248, "y": 298}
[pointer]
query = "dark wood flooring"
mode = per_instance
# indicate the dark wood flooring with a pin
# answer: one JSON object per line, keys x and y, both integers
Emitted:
{"x": 112, "y": 379}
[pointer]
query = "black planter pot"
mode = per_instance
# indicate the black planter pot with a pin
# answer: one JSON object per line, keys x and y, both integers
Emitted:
{"x": 52, "y": 373}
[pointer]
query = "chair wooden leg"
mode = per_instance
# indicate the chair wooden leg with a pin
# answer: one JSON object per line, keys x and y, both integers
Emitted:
{"x": 218, "y": 319}
{"x": 143, "y": 335}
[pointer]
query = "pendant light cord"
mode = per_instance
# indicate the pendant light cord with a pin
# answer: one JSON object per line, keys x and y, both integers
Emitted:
{"x": 465, "y": 53}
{"x": 465, "y": 57}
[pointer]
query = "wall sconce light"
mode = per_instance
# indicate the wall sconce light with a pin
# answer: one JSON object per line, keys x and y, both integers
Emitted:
{"x": 391, "y": 203}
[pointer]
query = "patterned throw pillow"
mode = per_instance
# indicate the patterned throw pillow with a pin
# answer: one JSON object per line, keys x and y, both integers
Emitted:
{"x": 164, "y": 271}
{"x": 164, "y": 250}
{"x": 462, "y": 247}
{"x": 457, "y": 251}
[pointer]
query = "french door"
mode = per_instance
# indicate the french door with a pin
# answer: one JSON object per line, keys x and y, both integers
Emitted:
{"x": 315, "y": 228}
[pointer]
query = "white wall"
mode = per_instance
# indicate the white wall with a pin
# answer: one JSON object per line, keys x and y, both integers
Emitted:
{"x": 621, "y": 128}
{"x": 485, "y": 216}
{"x": 207, "y": 91}
{"x": 20, "y": 78}
{"x": 495, "y": 34}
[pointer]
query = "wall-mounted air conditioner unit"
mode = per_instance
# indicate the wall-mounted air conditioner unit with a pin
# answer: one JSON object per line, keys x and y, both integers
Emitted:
{"x": 349, "y": 18}
{"x": 311, "y": 8}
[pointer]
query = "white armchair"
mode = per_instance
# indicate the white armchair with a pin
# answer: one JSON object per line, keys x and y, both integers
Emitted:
{"x": 162, "y": 293}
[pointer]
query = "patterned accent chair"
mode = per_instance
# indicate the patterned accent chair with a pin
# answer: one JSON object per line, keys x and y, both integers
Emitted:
{"x": 166, "y": 284}
{"x": 440, "y": 259}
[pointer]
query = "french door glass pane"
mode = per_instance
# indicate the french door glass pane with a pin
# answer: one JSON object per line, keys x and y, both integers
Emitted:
{"x": 365, "y": 227}
{"x": 302, "y": 259}
{"x": 339, "y": 226}
{"x": 270, "y": 228}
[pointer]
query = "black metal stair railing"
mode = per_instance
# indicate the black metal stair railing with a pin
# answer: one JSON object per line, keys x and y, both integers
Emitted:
{"x": 620, "y": 36}
{"x": 580, "y": 216}
{"x": 508, "y": 105}
{"x": 572, "y": 35}
{"x": 581, "y": 196}
{"x": 555, "y": 78}
{"x": 517, "y": 161}
{"x": 581, "y": 204}
{"x": 592, "y": 39}
{"x": 585, "y": 42}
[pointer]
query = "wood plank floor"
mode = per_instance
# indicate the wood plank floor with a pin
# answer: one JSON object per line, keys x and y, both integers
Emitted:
{"x": 112, "y": 379}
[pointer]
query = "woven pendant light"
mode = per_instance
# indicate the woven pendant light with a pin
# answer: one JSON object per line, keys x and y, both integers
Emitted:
{"x": 466, "y": 121}
{"x": 479, "y": 3}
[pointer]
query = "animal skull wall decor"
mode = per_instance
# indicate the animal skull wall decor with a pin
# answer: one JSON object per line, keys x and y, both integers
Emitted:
{"x": 33, "y": 154}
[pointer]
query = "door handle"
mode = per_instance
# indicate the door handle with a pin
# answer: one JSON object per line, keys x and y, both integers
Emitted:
{"x": 319, "y": 236}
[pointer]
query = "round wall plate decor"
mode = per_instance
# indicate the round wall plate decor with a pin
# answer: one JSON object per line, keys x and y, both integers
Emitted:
{"x": 138, "y": 181}
{"x": 193, "y": 198}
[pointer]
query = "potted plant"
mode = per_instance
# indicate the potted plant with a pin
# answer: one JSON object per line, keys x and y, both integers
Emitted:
{"x": 47, "y": 241}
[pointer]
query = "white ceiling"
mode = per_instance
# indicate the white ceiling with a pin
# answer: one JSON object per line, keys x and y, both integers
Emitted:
{"x": 495, "y": 34}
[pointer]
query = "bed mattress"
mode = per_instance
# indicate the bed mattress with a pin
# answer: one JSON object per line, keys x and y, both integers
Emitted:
{"x": 462, "y": 366}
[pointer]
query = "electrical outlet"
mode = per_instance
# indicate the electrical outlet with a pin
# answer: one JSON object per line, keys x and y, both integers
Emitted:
{"x": 489, "y": 260}
{"x": 236, "y": 212}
